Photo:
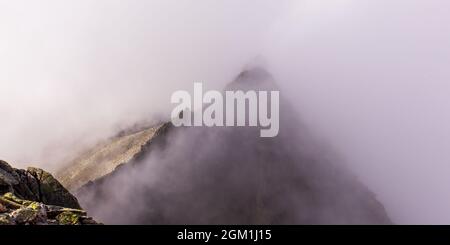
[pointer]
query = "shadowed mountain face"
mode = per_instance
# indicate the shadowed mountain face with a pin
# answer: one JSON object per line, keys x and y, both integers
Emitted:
{"x": 230, "y": 175}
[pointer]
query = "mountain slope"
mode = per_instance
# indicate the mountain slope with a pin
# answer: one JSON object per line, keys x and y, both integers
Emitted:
{"x": 229, "y": 175}
{"x": 104, "y": 158}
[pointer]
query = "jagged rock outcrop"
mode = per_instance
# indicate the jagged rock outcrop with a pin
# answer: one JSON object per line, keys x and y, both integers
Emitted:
{"x": 34, "y": 197}
{"x": 35, "y": 184}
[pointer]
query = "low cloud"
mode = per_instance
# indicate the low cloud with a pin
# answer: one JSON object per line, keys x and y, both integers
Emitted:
{"x": 368, "y": 76}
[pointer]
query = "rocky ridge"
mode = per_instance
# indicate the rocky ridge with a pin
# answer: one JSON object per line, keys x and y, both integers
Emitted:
{"x": 105, "y": 157}
{"x": 35, "y": 197}
{"x": 201, "y": 175}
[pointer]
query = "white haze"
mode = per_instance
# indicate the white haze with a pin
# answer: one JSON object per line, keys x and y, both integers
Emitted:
{"x": 369, "y": 76}
{"x": 75, "y": 71}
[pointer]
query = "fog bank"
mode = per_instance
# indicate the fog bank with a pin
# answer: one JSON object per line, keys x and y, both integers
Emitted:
{"x": 368, "y": 76}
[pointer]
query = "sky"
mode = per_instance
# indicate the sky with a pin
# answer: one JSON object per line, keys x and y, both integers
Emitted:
{"x": 76, "y": 71}
{"x": 368, "y": 76}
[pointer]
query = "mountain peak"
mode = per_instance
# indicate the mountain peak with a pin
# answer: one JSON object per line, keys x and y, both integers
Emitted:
{"x": 253, "y": 78}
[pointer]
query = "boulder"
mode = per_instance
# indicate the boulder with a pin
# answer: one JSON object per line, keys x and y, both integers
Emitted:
{"x": 34, "y": 197}
{"x": 35, "y": 184}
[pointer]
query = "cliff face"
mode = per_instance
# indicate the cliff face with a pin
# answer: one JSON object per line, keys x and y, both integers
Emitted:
{"x": 224, "y": 175}
{"x": 33, "y": 196}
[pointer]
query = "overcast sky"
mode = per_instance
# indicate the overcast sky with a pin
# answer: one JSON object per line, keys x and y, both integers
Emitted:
{"x": 371, "y": 77}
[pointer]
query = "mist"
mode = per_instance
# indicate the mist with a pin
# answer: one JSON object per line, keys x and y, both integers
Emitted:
{"x": 371, "y": 78}
{"x": 74, "y": 72}
{"x": 367, "y": 76}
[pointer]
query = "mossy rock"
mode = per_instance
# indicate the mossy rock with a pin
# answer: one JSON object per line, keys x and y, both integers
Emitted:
{"x": 53, "y": 211}
{"x": 34, "y": 197}
{"x": 11, "y": 197}
{"x": 25, "y": 215}
{"x": 68, "y": 218}
{"x": 51, "y": 191}
{"x": 34, "y": 213}
{"x": 5, "y": 219}
{"x": 34, "y": 184}
{"x": 6, "y": 201}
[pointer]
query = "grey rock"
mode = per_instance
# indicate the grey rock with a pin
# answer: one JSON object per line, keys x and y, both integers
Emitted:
{"x": 35, "y": 184}
{"x": 25, "y": 212}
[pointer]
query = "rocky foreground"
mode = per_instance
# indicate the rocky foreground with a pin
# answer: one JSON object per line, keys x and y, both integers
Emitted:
{"x": 34, "y": 197}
